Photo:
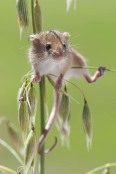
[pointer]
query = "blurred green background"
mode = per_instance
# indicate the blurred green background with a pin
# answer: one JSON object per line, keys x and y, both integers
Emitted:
{"x": 93, "y": 32}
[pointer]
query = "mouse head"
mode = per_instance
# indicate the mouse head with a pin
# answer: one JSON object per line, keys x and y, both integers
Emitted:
{"x": 53, "y": 44}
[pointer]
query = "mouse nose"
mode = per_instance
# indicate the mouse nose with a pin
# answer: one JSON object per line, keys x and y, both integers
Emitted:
{"x": 57, "y": 53}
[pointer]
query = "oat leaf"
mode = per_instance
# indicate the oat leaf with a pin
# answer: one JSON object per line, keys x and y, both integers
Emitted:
{"x": 15, "y": 136}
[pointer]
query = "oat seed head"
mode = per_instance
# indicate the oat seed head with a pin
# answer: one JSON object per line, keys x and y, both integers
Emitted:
{"x": 22, "y": 15}
{"x": 62, "y": 121}
{"x": 30, "y": 151}
{"x": 37, "y": 17}
{"x": 23, "y": 118}
{"x": 87, "y": 124}
{"x": 31, "y": 103}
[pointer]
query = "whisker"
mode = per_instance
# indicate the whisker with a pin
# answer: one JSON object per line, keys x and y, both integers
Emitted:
{"x": 75, "y": 36}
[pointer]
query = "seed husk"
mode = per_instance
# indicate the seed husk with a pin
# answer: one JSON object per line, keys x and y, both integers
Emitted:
{"x": 63, "y": 118}
{"x": 87, "y": 123}
{"x": 23, "y": 118}
{"x": 68, "y": 4}
{"x": 22, "y": 92}
{"x": 22, "y": 14}
{"x": 30, "y": 151}
{"x": 64, "y": 107}
{"x": 37, "y": 17}
{"x": 32, "y": 103}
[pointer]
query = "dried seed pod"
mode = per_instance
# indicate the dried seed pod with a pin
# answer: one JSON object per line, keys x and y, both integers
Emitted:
{"x": 14, "y": 136}
{"x": 87, "y": 123}
{"x": 22, "y": 14}
{"x": 23, "y": 118}
{"x": 32, "y": 103}
{"x": 30, "y": 151}
{"x": 37, "y": 17}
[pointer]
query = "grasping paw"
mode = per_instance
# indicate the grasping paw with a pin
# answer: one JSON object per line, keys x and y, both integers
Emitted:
{"x": 101, "y": 70}
{"x": 36, "y": 78}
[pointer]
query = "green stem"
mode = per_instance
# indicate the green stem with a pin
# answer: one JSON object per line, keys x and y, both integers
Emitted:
{"x": 32, "y": 12}
{"x": 101, "y": 168}
{"x": 42, "y": 116}
{"x": 42, "y": 98}
{"x": 91, "y": 67}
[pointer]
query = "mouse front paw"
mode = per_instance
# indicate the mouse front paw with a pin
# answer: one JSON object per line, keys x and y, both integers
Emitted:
{"x": 36, "y": 78}
{"x": 101, "y": 70}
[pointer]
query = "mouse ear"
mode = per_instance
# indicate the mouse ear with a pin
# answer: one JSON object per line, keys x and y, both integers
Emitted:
{"x": 34, "y": 39}
{"x": 66, "y": 34}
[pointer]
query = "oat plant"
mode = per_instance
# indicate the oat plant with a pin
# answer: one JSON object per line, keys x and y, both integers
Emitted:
{"x": 28, "y": 149}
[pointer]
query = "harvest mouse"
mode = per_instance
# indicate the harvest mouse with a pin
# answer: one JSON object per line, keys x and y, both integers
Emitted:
{"x": 50, "y": 54}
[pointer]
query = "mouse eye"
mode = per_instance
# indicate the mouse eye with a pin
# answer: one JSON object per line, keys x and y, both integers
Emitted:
{"x": 64, "y": 46}
{"x": 48, "y": 46}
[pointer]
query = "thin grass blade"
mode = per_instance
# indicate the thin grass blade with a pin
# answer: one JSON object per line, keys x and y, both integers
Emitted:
{"x": 11, "y": 150}
{"x": 15, "y": 137}
{"x": 106, "y": 171}
{"x": 6, "y": 170}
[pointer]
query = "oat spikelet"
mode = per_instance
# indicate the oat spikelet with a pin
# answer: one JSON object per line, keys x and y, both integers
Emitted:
{"x": 32, "y": 104}
{"x": 37, "y": 17}
{"x": 30, "y": 151}
{"x": 22, "y": 14}
{"x": 68, "y": 4}
{"x": 87, "y": 124}
{"x": 23, "y": 118}
{"x": 63, "y": 118}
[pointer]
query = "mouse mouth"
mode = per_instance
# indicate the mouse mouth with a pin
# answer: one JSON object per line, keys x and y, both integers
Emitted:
{"x": 56, "y": 55}
{"x": 58, "y": 58}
